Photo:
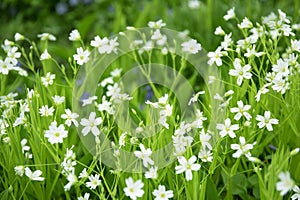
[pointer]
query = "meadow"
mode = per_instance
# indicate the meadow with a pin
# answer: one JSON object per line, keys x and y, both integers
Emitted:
{"x": 150, "y": 100}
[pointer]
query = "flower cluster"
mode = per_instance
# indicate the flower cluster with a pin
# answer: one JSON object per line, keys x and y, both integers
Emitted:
{"x": 42, "y": 126}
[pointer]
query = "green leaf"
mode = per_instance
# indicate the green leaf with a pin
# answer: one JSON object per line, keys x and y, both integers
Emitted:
{"x": 5, "y": 195}
{"x": 211, "y": 190}
{"x": 239, "y": 185}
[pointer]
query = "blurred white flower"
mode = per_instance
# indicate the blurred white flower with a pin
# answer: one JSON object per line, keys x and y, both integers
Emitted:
{"x": 151, "y": 173}
{"x": 89, "y": 100}
{"x": 72, "y": 179}
{"x": 13, "y": 54}
{"x": 133, "y": 189}
{"x": 195, "y": 97}
{"x": 204, "y": 139}
{"x": 47, "y": 36}
{"x": 205, "y": 155}
{"x": 191, "y": 46}
{"x": 45, "y": 55}
{"x": 19, "y": 170}
{"x": 105, "y": 106}
{"x": 230, "y": 14}
{"x": 94, "y": 181}
{"x": 56, "y": 134}
{"x": 90, "y": 125}
{"x": 241, "y": 110}
{"x": 296, "y": 196}
{"x": 58, "y": 100}
{"x": 6, "y": 66}
{"x": 215, "y": 57}
{"x": 158, "y": 24}
{"x": 83, "y": 174}
{"x": 34, "y": 176}
{"x": 23, "y": 145}
{"x": 70, "y": 117}
{"x": 227, "y": 128}
{"x": 100, "y": 44}
{"x": 285, "y": 184}
{"x": 74, "y": 35}
{"x": 240, "y": 72}
{"x": 266, "y": 121}
{"x": 144, "y": 154}
{"x": 116, "y": 72}
{"x": 48, "y": 79}
{"x": 18, "y": 37}
{"x": 242, "y": 148}
{"x": 82, "y": 56}
{"x": 219, "y": 31}
{"x": 85, "y": 197}
{"x": 162, "y": 194}
{"x": 187, "y": 166}
{"x": 45, "y": 111}
{"x": 280, "y": 84}
{"x": 246, "y": 23}
{"x": 159, "y": 38}
{"x": 261, "y": 91}
{"x": 194, "y": 4}
{"x": 281, "y": 68}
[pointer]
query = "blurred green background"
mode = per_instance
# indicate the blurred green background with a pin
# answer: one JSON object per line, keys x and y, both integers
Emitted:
{"x": 107, "y": 17}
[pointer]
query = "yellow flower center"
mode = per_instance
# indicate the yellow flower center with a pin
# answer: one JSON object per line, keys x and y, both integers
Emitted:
{"x": 57, "y": 134}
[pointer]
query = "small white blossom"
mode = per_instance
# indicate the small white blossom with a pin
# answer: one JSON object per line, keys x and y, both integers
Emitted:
{"x": 34, "y": 176}
{"x": 230, "y": 14}
{"x": 266, "y": 121}
{"x": 296, "y": 196}
{"x": 19, "y": 37}
{"x": 48, "y": 79}
{"x": 281, "y": 68}
{"x": 70, "y": 117}
{"x": 191, "y": 46}
{"x": 90, "y": 125}
{"x": 285, "y": 184}
{"x": 159, "y": 38}
{"x": 205, "y": 138}
{"x": 151, "y": 173}
{"x": 19, "y": 170}
{"x": 45, "y": 55}
{"x": 56, "y": 134}
{"x": 133, "y": 189}
{"x": 47, "y": 36}
{"x": 162, "y": 194}
{"x": 219, "y": 31}
{"x": 215, "y": 57}
{"x": 58, "y": 100}
{"x": 45, "y": 111}
{"x": 144, "y": 154}
{"x": 195, "y": 97}
{"x": 241, "y": 110}
{"x": 205, "y": 155}
{"x": 187, "y": 166}
{"x": 72, "y": 179}
{"x": 94, "y": 181}
{"x": 240, "y": 72}
{"x": 246, "y": 23}
{"x": 89, "y": 100}
{"x": 242, "y": 148}
{"x": 157, "y": 25}
{"x": 86, "y": 196}
{"x": 6, "y": 66}
{"x": 74, "y": 35}
{"x": 82, "y": 56}
{"x": 227, "y": 128}
{"x": 83, "y": 174}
